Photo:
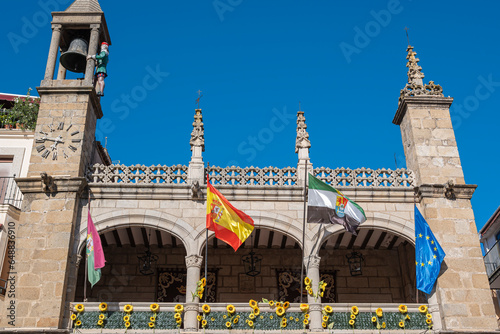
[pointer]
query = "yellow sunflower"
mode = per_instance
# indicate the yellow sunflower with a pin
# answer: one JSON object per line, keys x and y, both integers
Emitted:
{"x": 73, "y": 317}
{"x": 271, "y": 317}
{"x": 152, "y": 319}
{"x": 307, "y": 281}
{"x": 78, "y": 323}
{"x": 428, "y": 316}
{"x": 127, "y": 324}
{"x": 323, "y": 324}
{"x": 203, "y": 282}
{"x": 224, "y": 316}
{"x": 271, "y": 303}
{"x": 422, "y": 308}
{"x": 199, "y": 317}
{"x": 286, "y": 305}
{"x": 151, "y": 324}
{"x": 100, "y": 323}
{"x": 280, "y": 311}
{"x": 402, "y": 308}
{"x": 128, "y": 308}
{"x": 200, "y": 294}
{"x": 407, "y": 316}
{"x": 228, "y": 324}
{"x": 178, "y": 308}
{"x": 353, "y": 317}
{"x": 328, "y": 309}
{"x": 428, "y": 321}
{"x": 262, "y": 317}
{"x": 283, "y": 322}
{"x": 253, "y": 303}
{"x": 177, "y": 316}
{"x": 235, "y": 320}
{"x": 252, "y": 316}
{"x": 103, "y": 307}
{"x": 306, "y": 316}
{"x": 256, "y": 311}
{"x": 305, "y": 322}
{"x": 155, "y": 307}
{"x": 205, "y": 308}
{"x": 383, "y": 325}
{"x": 250, "y": 323}
{"x": 355, "y": 310}
{"x": 351, "y": 322}
{"x": 374, "y": 319}
{"x": 230, "y": 309}
{"x": 101, "y": 316}
{"x": 323, "y": 286}
{"x": 204, "y": 323}
{"x": 402, "y": 324}
{"x": 325, "y": 318}
{"x": 304, "y": 307}
{"x": 212, "y": 319}
{"x": 79, "y": 308}
{"x": 379, "y": 312}
{"x": 310, "y": 291}
{"x": 179, "y": 321}
{"x": 126, "y": 318}
{"x": 278, "y": 304}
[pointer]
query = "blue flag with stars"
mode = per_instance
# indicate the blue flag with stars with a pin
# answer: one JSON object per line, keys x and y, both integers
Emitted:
{"x": 428, "y": 254}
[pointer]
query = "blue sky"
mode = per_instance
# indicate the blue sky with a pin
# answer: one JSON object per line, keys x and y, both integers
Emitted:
{"x": 255, "y": 60}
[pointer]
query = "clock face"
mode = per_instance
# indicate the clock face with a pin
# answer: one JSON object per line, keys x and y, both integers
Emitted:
{"x": 57, "y": 142}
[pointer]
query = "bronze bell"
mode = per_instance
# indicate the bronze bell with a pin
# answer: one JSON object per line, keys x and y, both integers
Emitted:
{"x": 75, "y": 59}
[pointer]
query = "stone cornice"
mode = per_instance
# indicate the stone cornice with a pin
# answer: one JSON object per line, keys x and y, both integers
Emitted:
{"x": 71, "y": 87}
{"x": 63, "y": 184}
{"x": 459, "y": 191}
{"x": 442, "y": 102}
{"x": 240, "y": 193}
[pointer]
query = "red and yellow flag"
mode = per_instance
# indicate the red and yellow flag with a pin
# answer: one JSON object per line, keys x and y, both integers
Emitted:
{"x": 229, "y": 224}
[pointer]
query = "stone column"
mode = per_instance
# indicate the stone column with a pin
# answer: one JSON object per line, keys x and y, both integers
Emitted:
{"x": 193, "y": 265}
{"x": 54, "y": 48}
{"x": 61, "y": 72}
{"x": 93, "y": 45}
{"x": 311, "y": 263}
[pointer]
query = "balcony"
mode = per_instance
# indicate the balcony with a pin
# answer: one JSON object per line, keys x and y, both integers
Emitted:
{"x": 9, "y": 192}
{"x": 492, "y": 264}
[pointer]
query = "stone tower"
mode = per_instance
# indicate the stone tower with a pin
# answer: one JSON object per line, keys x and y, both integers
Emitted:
{"x": 462, "y": 294}
{"x": 46, "y": 245}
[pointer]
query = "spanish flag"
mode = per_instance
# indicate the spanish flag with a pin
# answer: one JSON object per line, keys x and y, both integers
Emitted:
{"x": 229, "y": 224}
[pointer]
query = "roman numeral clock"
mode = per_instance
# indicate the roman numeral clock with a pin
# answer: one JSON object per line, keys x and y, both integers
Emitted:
{"x": 57, "y": 141}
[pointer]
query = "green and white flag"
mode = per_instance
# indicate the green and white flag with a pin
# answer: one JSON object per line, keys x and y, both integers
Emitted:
{"x": 328, "y": 205}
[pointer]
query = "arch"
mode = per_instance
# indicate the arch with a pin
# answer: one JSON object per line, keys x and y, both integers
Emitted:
{"x": 113, "y": 220}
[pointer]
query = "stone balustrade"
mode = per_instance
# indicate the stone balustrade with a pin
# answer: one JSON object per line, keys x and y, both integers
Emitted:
{"x": 252, "y": 176}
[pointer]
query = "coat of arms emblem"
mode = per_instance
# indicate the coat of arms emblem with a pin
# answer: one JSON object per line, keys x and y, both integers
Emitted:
{"x": 340, "y": 206}
{"x": 216, "y": 210}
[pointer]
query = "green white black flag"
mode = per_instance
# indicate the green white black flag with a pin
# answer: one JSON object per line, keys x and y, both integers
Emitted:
{"x": 328, "y": 205}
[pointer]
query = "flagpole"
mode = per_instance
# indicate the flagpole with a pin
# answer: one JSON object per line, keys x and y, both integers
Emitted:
{"x": 414, "y": 205}
{"x": 206, "y": 234}
{"x": 86, "y": 264}
{"x": 303, "y": 232}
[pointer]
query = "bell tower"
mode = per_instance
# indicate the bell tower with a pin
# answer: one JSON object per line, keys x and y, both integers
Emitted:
{"x": 47, "y": 233}
{"x": 461, "y": 299}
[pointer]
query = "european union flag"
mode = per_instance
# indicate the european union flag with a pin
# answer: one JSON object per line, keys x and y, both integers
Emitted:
{"x": 428, "y": 254}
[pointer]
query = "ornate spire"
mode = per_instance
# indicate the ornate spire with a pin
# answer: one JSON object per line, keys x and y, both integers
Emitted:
{"x": 198, "y": 133}
{"x": 84, "y": 6}
{"x": 302, "y": 140}
{"x": 415, "y": 85}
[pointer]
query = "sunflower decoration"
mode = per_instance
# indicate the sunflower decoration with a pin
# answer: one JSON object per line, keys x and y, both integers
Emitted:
{"x": 200, "y": 288}
{"x": 323, "y": 324}
{"x": 279, "y": 304}
{"x": 428, "y": 320}
{"x": 204, "y": 323}
{"x": 256, "y": 311}
{"x": 271, "y": 303}
{"x": 79, "y": 308}
{"x": 231, "y": 309}
{"x": 355, "y": 310}
{"x": 100, "y": 323}
{"x": 177, "y": 316}
{"x": 374, "y": 319}
{"x": 155, "y": 307}
{"x": 353, "y": 317}
{"x": 307, "y": 281}
{"x": 403, "y": 309}
{"x": 253, "y": 303}
{"x": 325, "y": 318}
{"x": 235, "y": 320}
{"x": 328, "y": 309}
{"x": 280, "y": 311}
{"x": 151, "y": 324}
{"x": 127, "y": 324}
{"x": 73, "y": 317}
{"x": 379, "y": 312}
{"x": 152, "y": 319}
{"x": 126, "y": 318}
{"x": 423, "y": 309}
{"x": 251, "y": 316}
{"x": 199, "y": 317}
{"x": 351, "y": 323}
{"x": 128, "y": 308}
{"x": 205, "y": 308}
{"x": 283, "y": 323}
{"x": 102, "y": 316}
{"x": 286, "y": 305}
{"x": 178, "y": 308}
{"x": 250, "y": 323}
{"x": 306, "y": 316}
{"x": 305, "y": 322}
{"x": 304, "y": 307}
{"x": 103, "y": 307}
{"x": 78, "y": 323}
{"x": 228, "y": 324}
{"x": 383, "y": 325}
{"x": 401, "y": 324}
